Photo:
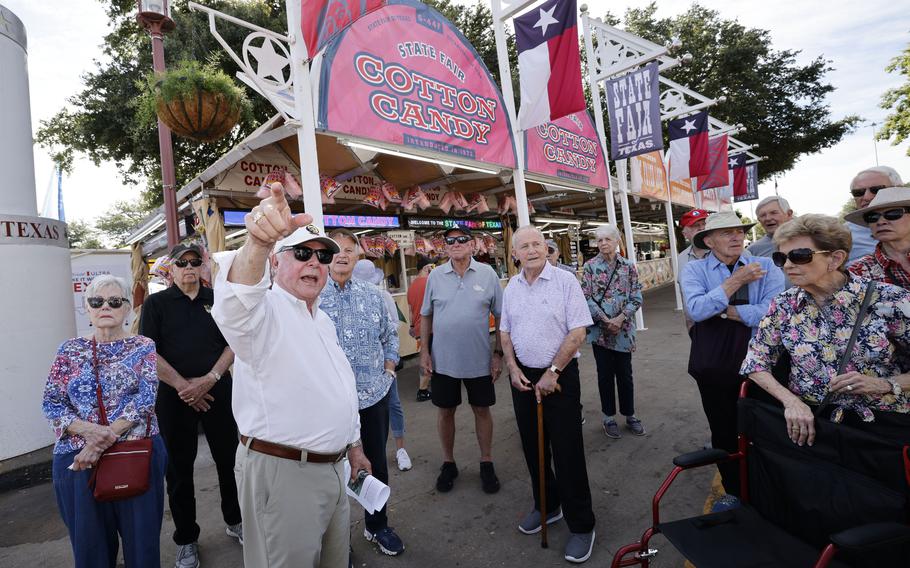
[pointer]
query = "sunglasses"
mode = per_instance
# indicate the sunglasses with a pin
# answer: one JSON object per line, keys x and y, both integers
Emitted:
{"x": 861, "y": 191}
{"x": 194, "y": 262}
{"x": 303, "y": 254}
{"x": 96, "y": 302}
{"x": 463, "y": 239}
{"x": 796, "y": 256}
{"x": 890, "y": 214}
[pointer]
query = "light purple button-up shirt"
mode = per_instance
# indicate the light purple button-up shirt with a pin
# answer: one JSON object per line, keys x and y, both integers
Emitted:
{"x": 539, "y": 316}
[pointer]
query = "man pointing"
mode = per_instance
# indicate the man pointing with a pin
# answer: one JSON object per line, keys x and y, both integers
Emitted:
{"x": 295, "y": 398}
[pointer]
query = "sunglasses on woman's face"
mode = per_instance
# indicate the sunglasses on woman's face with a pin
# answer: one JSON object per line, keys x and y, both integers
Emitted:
{"x": 97, "y": 301}
{"x": 463, "y": 239}
{"x": 861, "y": 191}
{"x": 890, "y": 214}
{"x": 303, "y": 254}
{"x": 796, "y": 256}
{"x": 194, "y": 262}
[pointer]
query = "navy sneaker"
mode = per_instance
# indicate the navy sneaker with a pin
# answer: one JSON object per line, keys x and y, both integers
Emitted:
{"x": 386, "y": 539}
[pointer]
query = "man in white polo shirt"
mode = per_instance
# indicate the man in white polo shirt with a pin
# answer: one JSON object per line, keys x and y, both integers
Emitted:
{"x": 294, "y": 393}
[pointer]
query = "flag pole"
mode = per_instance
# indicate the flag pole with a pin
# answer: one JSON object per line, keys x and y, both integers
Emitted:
{"x": 505, "y": 81}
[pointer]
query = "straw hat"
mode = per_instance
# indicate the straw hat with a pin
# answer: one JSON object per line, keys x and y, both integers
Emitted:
{"x": 722, "y": 220}
{"x": 887, "y": 198}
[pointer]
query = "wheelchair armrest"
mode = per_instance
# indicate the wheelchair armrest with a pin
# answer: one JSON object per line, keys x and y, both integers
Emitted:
{"x": 700, "y": 458}
{"x": 871, "y": 535}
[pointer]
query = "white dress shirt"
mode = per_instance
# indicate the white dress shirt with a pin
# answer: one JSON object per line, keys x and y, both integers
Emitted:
{"x": 293, "y": 384}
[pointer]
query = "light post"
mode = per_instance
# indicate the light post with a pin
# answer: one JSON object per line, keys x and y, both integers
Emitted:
{"x": 154, "y": 15}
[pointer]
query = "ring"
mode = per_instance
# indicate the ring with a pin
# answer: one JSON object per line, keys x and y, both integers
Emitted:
{"x": 849, "y": 387}
{"x": 258, "y": 217}
{"x": 192, "y": 399}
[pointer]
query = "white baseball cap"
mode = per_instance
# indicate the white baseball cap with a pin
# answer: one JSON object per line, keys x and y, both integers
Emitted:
{"x": 306, "y": 234}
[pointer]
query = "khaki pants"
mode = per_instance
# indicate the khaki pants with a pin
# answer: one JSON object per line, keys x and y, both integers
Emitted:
{"x": 295, "y": 514}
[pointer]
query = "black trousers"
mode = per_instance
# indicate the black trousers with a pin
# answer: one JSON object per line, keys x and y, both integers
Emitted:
{"x": 374, "y": 434}
{"x": 614, "y": 373}
{"x": 719, "y": 395}
{"x": 563, "y": 446}
{"x": 180, "y": 429}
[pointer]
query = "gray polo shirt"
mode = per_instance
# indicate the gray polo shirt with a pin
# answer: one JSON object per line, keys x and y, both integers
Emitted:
{"x": 461, "y": 310}
{"x": 762, "y": 247}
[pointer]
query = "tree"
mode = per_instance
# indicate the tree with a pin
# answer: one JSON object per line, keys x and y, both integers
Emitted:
{"x": 101, "y": 120}
{"x": 82, "y": 235}
{"x": 782, "y": 104}
{"x": 897, "y": 124}
{"x": 120, "y": 219}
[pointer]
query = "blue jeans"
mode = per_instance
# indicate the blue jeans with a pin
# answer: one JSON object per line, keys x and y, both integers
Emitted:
{"x": 396, "y": 415}
{"x": 94, "y": 527}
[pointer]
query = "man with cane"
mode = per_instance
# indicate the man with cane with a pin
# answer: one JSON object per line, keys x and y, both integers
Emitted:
{"x": 544, "y": 318}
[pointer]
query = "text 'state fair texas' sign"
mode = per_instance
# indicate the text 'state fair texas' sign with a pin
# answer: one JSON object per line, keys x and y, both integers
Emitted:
{"x": 405, "y": 75}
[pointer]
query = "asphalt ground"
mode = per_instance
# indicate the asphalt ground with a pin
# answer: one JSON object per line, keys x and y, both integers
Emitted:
{"x": 466, "y": 527}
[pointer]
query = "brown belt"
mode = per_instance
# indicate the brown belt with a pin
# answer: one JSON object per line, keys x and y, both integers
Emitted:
{"x": 287, "y": 452}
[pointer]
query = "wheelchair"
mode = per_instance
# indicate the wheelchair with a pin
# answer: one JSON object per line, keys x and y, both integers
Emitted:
{"x": 845, "y": 501}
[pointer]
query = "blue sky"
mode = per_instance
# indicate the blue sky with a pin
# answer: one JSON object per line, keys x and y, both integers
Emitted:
{"x": 858, "y": 37}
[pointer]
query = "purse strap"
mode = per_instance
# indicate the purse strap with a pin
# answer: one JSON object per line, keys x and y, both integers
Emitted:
{"x": 607, "y": 287}
{"x": 845, "y": 359}
{"x": 102, "y": 413}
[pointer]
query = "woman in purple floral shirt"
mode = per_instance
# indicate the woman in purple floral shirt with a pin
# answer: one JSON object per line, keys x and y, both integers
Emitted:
{"x": 813, "y": 321}
{"x": 126, "y": 369}
{"x": 611, "y": 287}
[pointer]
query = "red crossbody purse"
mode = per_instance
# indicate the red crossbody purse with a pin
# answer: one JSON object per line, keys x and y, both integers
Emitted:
{"x": 123, "y": 469}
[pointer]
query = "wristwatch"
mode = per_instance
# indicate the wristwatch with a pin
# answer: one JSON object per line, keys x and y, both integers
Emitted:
{"x": 896, "y": 388}
{"x": 555, "y": 370}
{"x": 723, "y": 315}
{"x": 392, "y": 372}
{"x": 215, "y": 375}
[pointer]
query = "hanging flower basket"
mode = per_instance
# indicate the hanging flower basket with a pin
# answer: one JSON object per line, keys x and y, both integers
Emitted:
{"x": 197, "y": 101}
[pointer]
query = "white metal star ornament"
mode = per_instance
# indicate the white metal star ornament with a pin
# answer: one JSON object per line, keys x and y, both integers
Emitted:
{"x": 269, "y": 63}
{"x": 546, "y": 20}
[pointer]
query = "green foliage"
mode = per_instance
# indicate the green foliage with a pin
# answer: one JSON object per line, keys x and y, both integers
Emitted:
{"x": 782, "y": 104}
{"x": 183, "y": 82}
{"x": 848, "y": 207}
{"x": 116, "y": 224}
{"x": 897, "y": 124}
{"x": 83, "y": 235}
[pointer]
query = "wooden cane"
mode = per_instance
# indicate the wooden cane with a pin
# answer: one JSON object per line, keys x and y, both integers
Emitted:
{"x": 542, "y": 475}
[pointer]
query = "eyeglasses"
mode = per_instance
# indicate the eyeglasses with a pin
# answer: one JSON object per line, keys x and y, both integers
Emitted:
{"x": 303, "y": 254}
{"x": 463, "y": 239}
{"x": 861, "y": 191}
{"x": 796, "y": 256}
{"x": 194, "y": 262}
{"x": 551, "y": 250}
{"x": 96, "y": 302}
{"x": 890, "y": 214}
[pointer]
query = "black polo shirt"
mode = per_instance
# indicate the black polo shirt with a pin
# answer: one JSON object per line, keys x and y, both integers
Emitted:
{"x": 184, "y": 331}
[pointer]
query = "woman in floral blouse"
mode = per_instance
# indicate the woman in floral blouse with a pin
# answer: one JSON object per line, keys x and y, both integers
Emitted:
{"x": 126, "y": 370}
{"x": 611, "y": 286}
{"x": 813, "y": 321}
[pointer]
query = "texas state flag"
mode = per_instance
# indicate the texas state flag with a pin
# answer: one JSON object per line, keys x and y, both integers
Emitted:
{"x": 689, "y": 146}
{"x": 737, "y": 164}
{"x": 549, "y": 65}
{"x": 718, "y": 175}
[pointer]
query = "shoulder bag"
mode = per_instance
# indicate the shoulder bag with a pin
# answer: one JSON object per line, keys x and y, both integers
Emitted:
{"x": 594, "y": 330}
{"x": 123, "y": 469}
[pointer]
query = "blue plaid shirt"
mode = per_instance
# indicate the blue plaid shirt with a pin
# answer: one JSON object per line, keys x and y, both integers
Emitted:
{"x": 366, "y": 335}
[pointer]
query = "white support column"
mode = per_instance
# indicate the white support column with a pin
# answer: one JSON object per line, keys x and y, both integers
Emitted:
{"x": 668, "y": 206}
{"x": 622, "y": 167}
{"x": 505, "y": 81}
{"x": 404, "y": 270}
{"x": 306, "y": 129}
{"x": 697, "y": 193}
{"x": 598, "y": 109}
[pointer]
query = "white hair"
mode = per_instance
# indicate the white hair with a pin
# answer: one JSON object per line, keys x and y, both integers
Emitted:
{"x": 781, "y": 202}
{"x": 104, "y": 280}
{"x": 607, "y": 231}
{"x": 522, "y": 230}
{"x": 889, "y": 172}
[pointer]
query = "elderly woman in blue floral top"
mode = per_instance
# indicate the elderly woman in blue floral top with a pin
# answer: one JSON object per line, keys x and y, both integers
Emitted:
{"x": 126, "y": 370}
{"x": 611, "y": 286}
{"x": 813, "y": 322}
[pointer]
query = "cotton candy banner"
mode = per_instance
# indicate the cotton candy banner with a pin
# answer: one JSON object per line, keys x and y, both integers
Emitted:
{"x": 566, "y": 149}
{"x": 633, "y": 104}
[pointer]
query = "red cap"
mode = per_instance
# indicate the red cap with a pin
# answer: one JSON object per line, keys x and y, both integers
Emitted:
{"x": 692, "y": 217}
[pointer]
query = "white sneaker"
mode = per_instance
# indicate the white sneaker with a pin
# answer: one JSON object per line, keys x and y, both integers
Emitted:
{"x": 404, "y": 460}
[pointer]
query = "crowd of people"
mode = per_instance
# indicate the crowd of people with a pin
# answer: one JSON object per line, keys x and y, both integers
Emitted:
{"x": 296, "y": 321}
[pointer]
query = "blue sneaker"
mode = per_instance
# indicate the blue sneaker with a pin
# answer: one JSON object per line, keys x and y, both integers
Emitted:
{"x": 386, "y": 539}
{"x": 725, "y": 503}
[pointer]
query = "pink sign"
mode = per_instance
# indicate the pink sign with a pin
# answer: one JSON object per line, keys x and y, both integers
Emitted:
{"x": 567, "y": 148}
{"x": 405, "y": 75}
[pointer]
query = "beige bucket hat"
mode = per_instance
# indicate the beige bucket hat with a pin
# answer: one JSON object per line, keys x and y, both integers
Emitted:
{"x": 721, "y": 220}
{"x": 887, "y": 198}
